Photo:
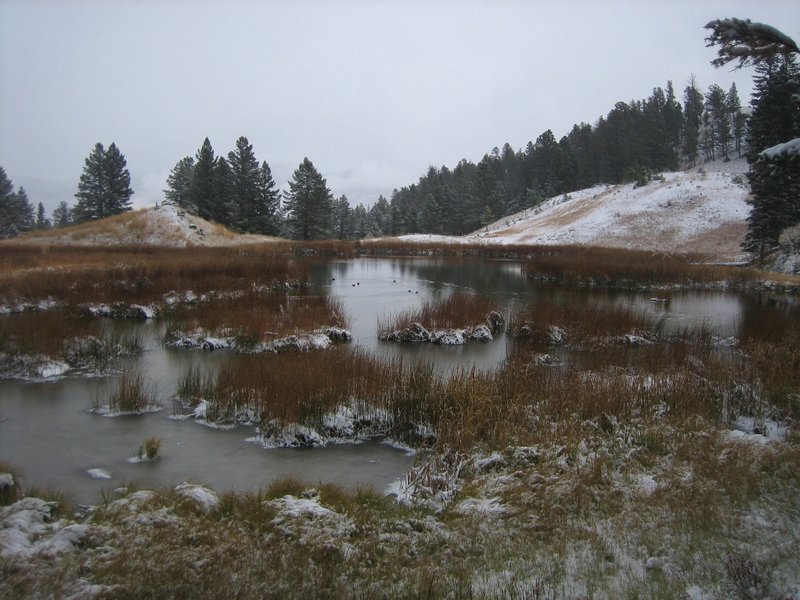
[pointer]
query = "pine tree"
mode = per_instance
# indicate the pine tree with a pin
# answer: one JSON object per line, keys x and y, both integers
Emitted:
{"x": 246, "y": 185}
{"x": 342, "y": 219}
{"x": 774, "y": 136}
{"x": 717, "y": 122}
{"x": 62, "y": 215}
{"x": 693, "y": 112}
{"x": 268, "y": 203}
{"x": 104, "y": 186}
{"x": 309, "y": 204}
{"x": 42, "y": 222}
{"x": 202, "y": 187}
{"x": 16, "y": 212}
{"x": 179, "y": 183}
{"x": 738, "y": 119}
{"x": 225, "y": 209}
{"x": 774, "y": 178}
{"x": 380, "y": 215}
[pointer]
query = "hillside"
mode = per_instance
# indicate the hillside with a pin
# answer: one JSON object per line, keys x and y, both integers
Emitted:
{"x": 701, "y": 210}
{"x": 163, "y": 225}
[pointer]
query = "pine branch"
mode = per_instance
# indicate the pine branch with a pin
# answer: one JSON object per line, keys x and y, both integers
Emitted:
{"x": 747, "y": 42}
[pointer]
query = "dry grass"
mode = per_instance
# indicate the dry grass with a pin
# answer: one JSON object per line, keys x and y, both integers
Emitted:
{"x": 132, "y": 395}
{"x": 614, "y": 267}
{"x": 581, "y": 323}
{"x": 139, "y": 274}
{"x": 458, "y": 310}
{"x": 255, "y": 317}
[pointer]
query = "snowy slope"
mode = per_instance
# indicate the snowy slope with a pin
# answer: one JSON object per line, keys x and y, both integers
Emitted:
{"x": 163, "y": 225}
{"x": 702, "y": 210}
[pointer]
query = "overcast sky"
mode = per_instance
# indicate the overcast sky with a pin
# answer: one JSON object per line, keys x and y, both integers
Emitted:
{"x": 372, "y": 92}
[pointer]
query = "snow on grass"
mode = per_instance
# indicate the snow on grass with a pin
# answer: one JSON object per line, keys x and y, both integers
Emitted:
{"x": 205, "y": 499}
{"x": 481, "y": 506}
{"x": 107, "y": 411}
{"x": 321, "y": 339}
{"x": 31, "y": 368}
{"x": 670, "y": 215}
{"x": 27, "y": 529}
{"x": 98, "y": 473}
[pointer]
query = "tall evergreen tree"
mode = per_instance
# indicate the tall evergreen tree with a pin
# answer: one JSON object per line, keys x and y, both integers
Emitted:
{"x": 693, "y": 113}
{"x": 775, "y": 197}
{"x": 16, "y": 211}
{"x": 309, "y": 204}
{"x": 179, "y": 183}
{"x": 380, "y": 216}
{"x": 774, "y": 136}
{"x": 342, "y": 219}
{"x": 202, "y": 189}
{"x": 42, "y": 222}
{"x": 268, "y": 202}
{"x": 104, "y": 186}
{"x": 62, "y": 215}
{"x": 246, "y": 174}
{"x": 717, "y": 122}
{"x": 225, "y": 208}
{"x": 738, "y": 119}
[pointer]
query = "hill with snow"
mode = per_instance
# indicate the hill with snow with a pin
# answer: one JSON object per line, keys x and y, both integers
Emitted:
{"x": 163, "y": 225}
{"x": 701, "y": 210}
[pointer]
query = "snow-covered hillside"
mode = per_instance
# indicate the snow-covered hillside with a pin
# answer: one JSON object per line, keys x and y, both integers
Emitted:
{"x": 701, "y": 210}
{"x": 163, "y": 225}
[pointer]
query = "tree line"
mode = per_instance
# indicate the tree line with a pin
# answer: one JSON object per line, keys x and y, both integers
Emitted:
{"x": 630, "y": 143}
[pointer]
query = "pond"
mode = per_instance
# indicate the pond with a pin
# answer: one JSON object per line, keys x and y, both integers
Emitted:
{"x": 47, "y": 432}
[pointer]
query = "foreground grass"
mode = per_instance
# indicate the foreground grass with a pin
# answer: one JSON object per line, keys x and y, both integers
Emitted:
{"x": 613, "y": 476}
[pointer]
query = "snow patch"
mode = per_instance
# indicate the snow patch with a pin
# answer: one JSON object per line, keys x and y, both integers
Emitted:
{"x": 28, "y": 530}
{"x": 99, "y": 473}
{"x": 205, "y": 499}
{"x": 482, "y": 506}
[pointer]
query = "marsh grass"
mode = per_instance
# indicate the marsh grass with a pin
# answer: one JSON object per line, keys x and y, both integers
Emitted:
{"x": 149, "y": 449}
{"x": 620, "y": 268}
{"x": 132, "y": 394}
{"x": 583, "y": 323}
{"x": 75, "y": 275}
{"x": 62, "y": 335}
{"x": 253, "y": 316}
{"x": 458, "y": 310}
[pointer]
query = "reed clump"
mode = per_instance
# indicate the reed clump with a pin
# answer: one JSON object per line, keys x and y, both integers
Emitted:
{"x": 254, "y": 316}
{"x": 133, "y": 394}
{"x": 149, "y": 449}
{"x": 579, "y": 323}
{"x": 458, "y": 310}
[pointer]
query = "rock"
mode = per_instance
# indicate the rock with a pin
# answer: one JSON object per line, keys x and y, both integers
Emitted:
{"x": 448, "y": 337}
{"x": 556, "y": 335}
{"x": 496, "y": 321}
{"x": 338, "y": 334}
{"x": 414, "y": 333}
{"x": 205, "y": 499}
{"x": 481, "y": 333}
{"x": 654, "y": 563}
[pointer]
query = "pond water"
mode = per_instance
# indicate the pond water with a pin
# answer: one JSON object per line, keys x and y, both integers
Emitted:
{"x": 47, "y": 432}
